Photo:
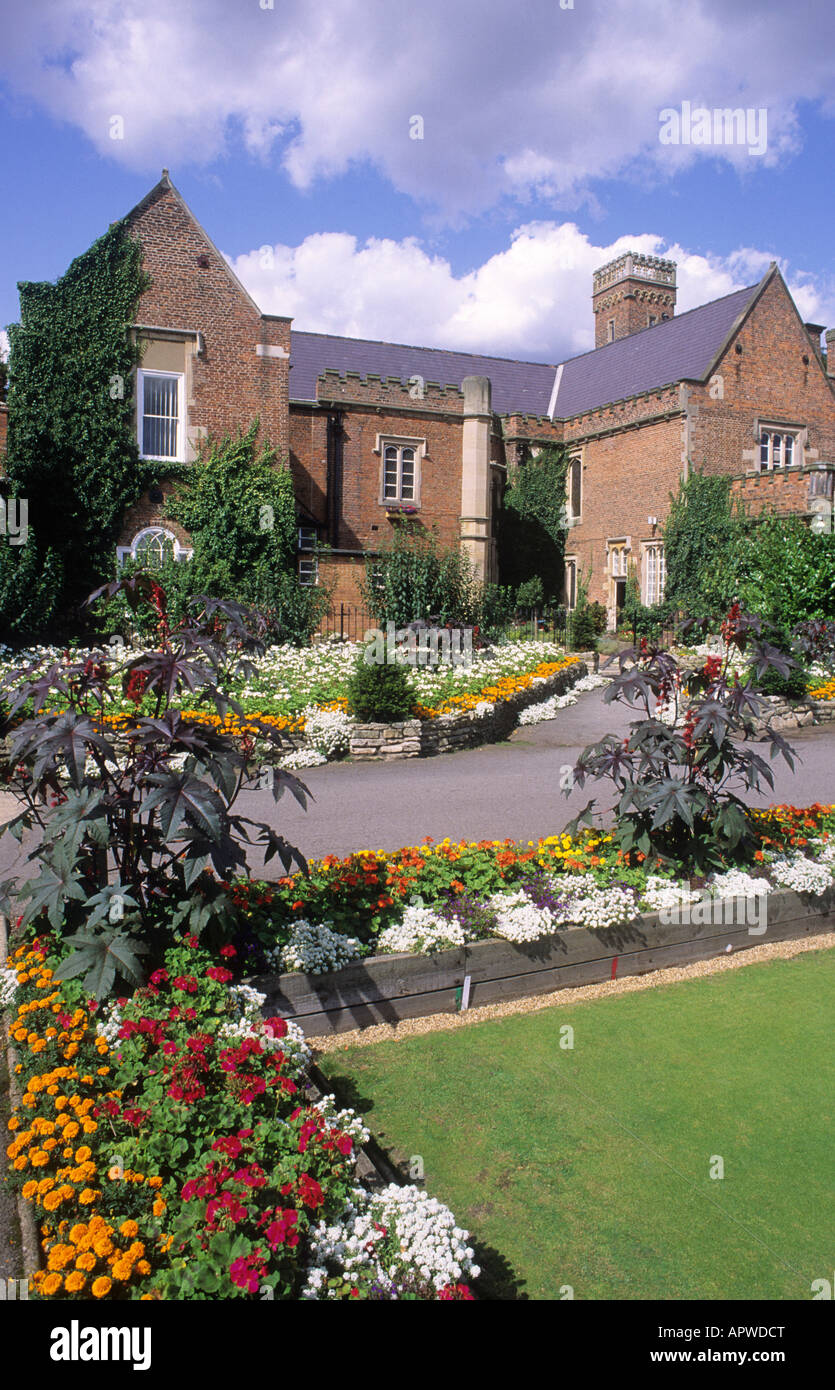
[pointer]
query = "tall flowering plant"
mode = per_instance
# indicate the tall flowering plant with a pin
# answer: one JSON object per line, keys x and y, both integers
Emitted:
{"x": 136, "y": 817}
{"x": 681, "y": 781}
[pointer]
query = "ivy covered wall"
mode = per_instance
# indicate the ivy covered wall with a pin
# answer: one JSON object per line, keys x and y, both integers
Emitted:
{"x": 72, "y": 451}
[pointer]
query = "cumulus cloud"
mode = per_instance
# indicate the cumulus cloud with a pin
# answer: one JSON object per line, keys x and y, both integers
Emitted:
{"x": 531, "y": 300}
{"x": 513, "y": 99}
{"x": 4, "y": 345}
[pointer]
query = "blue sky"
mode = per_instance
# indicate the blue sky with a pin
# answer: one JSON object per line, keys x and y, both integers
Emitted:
{"x": 290, "y": 133}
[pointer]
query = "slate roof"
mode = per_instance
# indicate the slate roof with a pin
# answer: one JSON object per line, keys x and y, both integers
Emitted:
{"x": 681, "y": 348}
{"x": 516, "y": 385}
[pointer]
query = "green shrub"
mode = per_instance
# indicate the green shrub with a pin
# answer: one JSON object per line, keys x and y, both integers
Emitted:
{"x": 790, "y": 687}
{"x": 380, "y": 693}
{"x": 530, "y": 594}
{"x": 582, "y": 629}
{"x": 599, "y": 617}
{"x": 415, "y": 578}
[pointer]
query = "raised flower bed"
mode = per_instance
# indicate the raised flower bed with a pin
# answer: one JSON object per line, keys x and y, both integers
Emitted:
{"x": 171, "y": 1146}
{"x": 499, "y": 919}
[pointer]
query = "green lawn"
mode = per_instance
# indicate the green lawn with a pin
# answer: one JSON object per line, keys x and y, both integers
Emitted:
{"x": 591, "y": 1167}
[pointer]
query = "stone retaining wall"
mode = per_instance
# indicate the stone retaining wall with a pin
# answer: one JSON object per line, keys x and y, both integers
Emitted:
{"x": 417, "y": 738}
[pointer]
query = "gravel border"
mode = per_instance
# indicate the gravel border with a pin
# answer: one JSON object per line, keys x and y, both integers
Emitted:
{"x": 579, "y": 994}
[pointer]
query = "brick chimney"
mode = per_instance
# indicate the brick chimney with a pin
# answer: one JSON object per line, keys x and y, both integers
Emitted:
{"x": 630, "y": 293}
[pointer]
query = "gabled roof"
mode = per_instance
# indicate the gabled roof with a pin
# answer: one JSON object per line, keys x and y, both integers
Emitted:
{"x": 682, "y": 348}
{"x": 166, "y": 186}
{"x": 520, "y": 386}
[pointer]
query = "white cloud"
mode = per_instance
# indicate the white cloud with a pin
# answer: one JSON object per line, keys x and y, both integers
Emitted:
{"x": 4, "y": 345}
{"x": 532, "y": 299}
{"x": 513, "y": 98}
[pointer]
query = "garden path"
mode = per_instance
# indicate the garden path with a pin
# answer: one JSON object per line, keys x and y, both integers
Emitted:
{"x": 508, "y": 790}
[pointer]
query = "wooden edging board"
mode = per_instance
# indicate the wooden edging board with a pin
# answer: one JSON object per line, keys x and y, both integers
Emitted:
{"x": 386, "y": 989}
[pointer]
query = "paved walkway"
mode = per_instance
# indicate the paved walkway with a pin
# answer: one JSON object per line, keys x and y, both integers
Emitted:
{"x": 508, "y": 790}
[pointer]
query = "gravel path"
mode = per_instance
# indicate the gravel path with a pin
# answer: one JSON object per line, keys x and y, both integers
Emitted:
{"x": 577, "y": 994}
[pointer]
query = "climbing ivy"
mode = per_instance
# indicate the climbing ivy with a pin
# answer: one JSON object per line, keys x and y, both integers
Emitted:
{"x": 699, "y": 539}
{"x": 240, "y": 512}
{"x": 531, "y": 528}
{"x": 71, "y": 451}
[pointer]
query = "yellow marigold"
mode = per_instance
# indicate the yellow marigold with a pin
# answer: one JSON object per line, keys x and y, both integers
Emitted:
{"x": 103, "y": 1247}
{"x": 158, "y": 1207}
{"x": 89, "y": 1126}
{"x": 78, "y": 1232}
{"x": 72, "y": 1130}
{"x": 52, "y": 1200}
{"x": 102, "y": 1287}
{"x": 29, "y": 1190}
{"x": 88, "y": 1196}
{"x": 61, "y": 1103}
{"x": 39, "y": 1158}
{"x": 86, "y": 1260}
{"x": 51, "y": 1284}
{"x": 14, "y": 1122}
{"x": 155, "y": 1182}
{"x": 21, "y": 1162}
{"x": 45, "y": 1185}
{"x": 59, "y": 1256}
{"x": 143, "y": 1267}
{"x": 129, "y": 1228}
{"x": 83, "y": 1154}
{"x": 75, "y": 1282}
{"x": 122, "y": 1270}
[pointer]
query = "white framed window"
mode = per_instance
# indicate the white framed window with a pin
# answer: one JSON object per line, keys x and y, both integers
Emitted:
{"x": 570, "y": 582}
{"x": 308, "y": 570}
{"x": 160, "y": 405}
{"x": 779, "y": 448}
{"x": 618, "y": 559}
{"x": 307, "y": 538}
{"x": 153, "y": 544}
{"x": 399, "y": 472}
{"x": 400, "y": 466}
{"x": 655, "y": 574}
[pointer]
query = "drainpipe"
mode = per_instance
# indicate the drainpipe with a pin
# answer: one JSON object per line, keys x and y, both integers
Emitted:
{"x": 334, "y": 478}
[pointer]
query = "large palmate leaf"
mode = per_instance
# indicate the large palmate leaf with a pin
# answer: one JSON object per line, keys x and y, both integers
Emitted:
{"x": 103, "y": 955}
{"x": 180, "y": 796}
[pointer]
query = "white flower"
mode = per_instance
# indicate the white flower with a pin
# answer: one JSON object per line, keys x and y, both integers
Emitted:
{"x": 315, "y": 948}
{"x": 802, "y": 874}
{"x": 399, "y": 1238}
{"x": 8, "y": 987}
{"x": 420, "y": 931}
{"x": 518, "y": 919}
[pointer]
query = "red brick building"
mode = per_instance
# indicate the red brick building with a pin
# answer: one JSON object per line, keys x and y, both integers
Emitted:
{"x": 374, "y": 431}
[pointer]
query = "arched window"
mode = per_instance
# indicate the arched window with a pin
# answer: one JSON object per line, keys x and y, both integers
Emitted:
{"x": 152, "y": 545}
{"x": 575, "y": 489}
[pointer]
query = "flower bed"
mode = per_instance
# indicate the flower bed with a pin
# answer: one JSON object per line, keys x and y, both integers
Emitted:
{"x": 301, "y": 693}
{"x": 428, "y": 897}
{"x": 170, "y": 1148}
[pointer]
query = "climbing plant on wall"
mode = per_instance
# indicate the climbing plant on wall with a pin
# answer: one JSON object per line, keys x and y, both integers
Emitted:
{"x": 240, "y": 512}
{"x": 72, "y": 451}
{"x": 531, "y": 528}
